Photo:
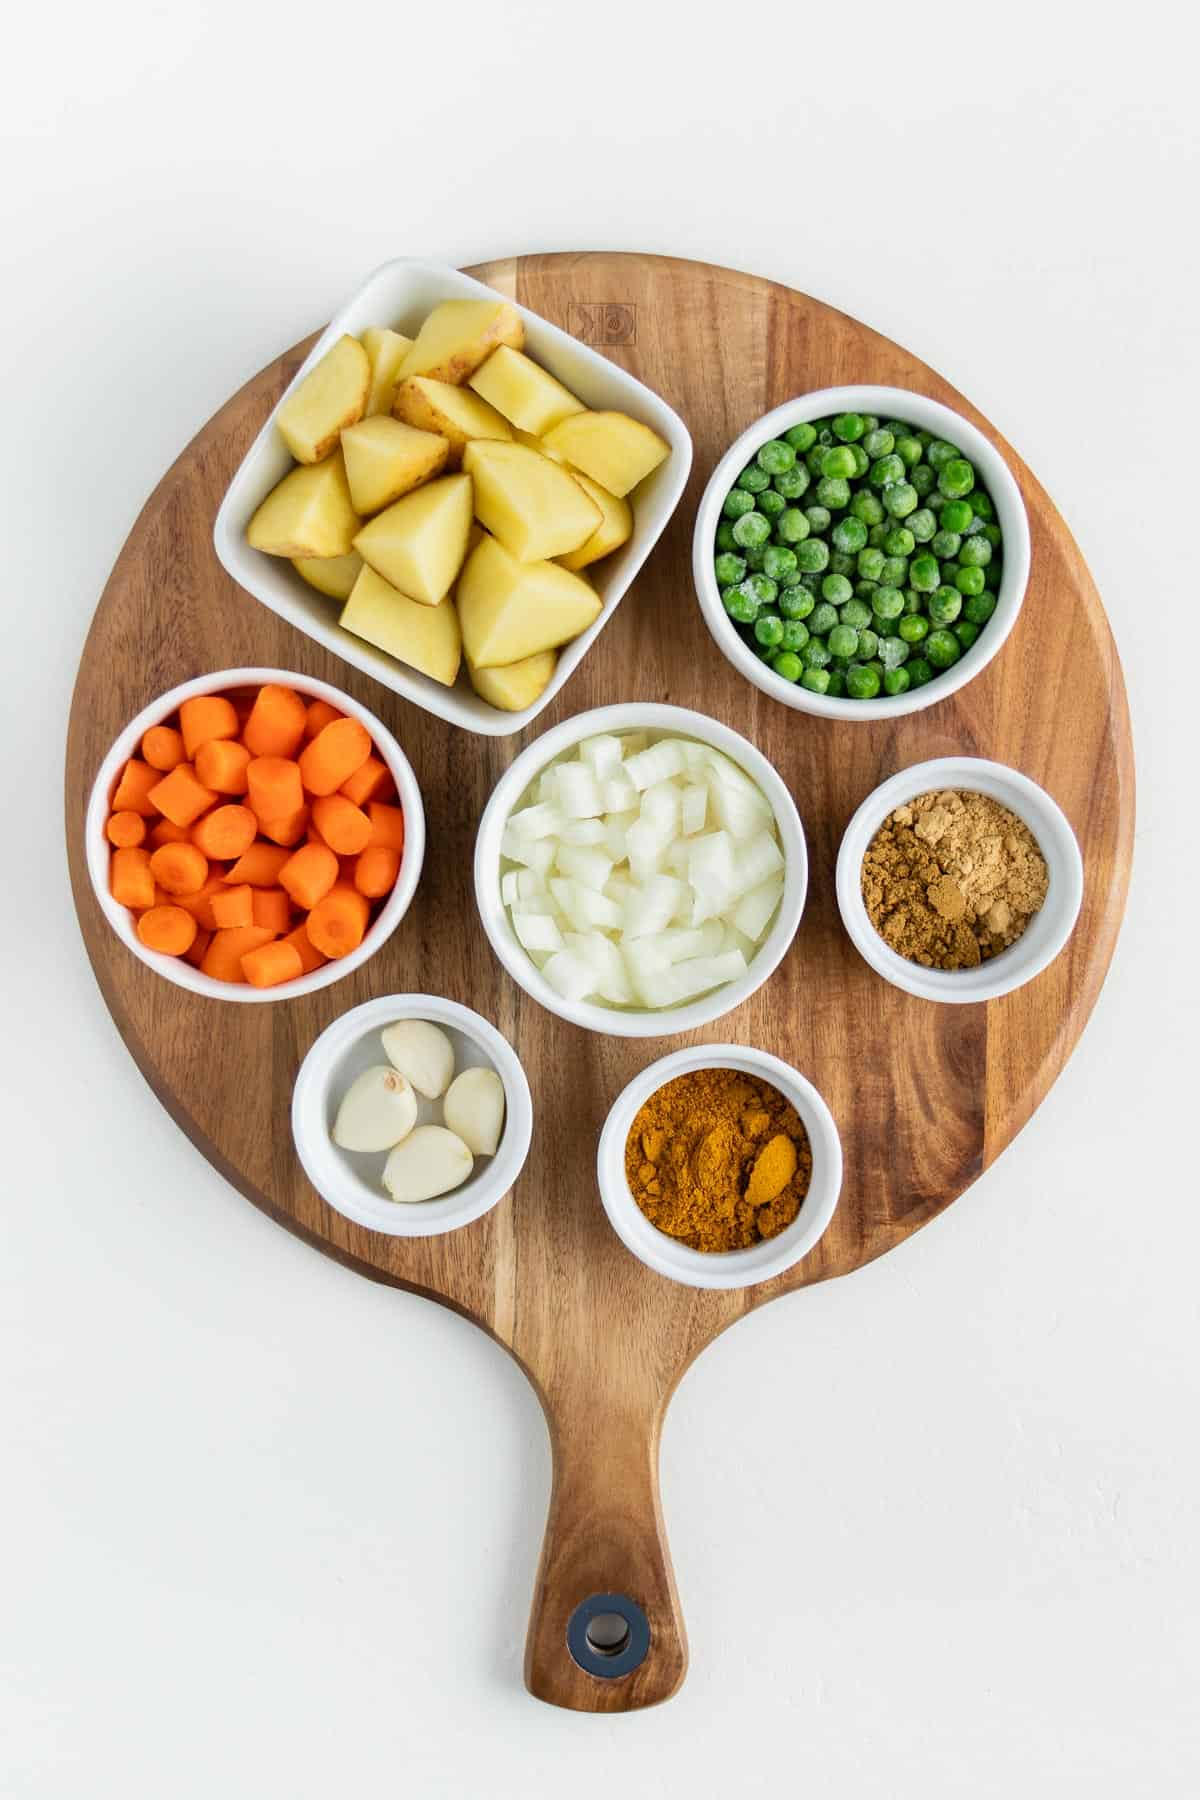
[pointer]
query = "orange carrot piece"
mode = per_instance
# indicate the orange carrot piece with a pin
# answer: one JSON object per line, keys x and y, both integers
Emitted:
{"x": 166, "y": 833}
{"x": 344, "y": 826}
{"x": 271, "y": 907}
{"x": 272, "y": 964}
{"x": 180, "y": 797}
{"x": 234, "y": 906}
{"x": 275, "y": 788}
{"x": 221, "y": 764}
{"x": 287, "y": 831}
{"x": 168, "y": 929}
{"x": 337, "y": 923}
{"x": 310, "y": 957}
{"x": 387, "y": 826}
{"x": 333, "y": 756}
{"x": 199, "y": 904}
{"x": 133, "y": 790}
{"x": 130, "y": 881}
{"x": 179, "y": 868}
{"x": 259, "y": 866}
{"x": 200, "y": 944}
{"x": 376, "y": 870}
{"x": 223, "y": 958}
{"x": 372, "y": 782}
{"x": 276, "y": 723}
{"x": 309, "y": 874}
{"x": 225, "y": 833}
{"x": 125, "y": 829}
{"x": 162, "y": 747}
{"x": 320, "y": 714}
{"x": 206, "y": 717}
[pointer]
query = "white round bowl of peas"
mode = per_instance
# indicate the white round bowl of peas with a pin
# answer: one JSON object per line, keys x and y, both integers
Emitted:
{"x": 861, "y": 552}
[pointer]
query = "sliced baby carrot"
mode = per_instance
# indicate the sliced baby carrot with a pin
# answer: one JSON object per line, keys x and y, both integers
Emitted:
{"x": 376, "y": 870}
{"x": 337, "y": 923}
{"x": 125, "y": 829}
{"x": 133, "y": 789}
{"x": 272, "y": 964}
{"x": 221, "y": 764}
{"x": 206, "y": 717}
{"x": 180, "y": 797}
{"x": 276, "y": 723}
{"x": 287, "y": 831}
{"x": 166, "y": 833}
{"x": 179, "y": 868}
{"x": 259, "y": 866}
{"x": 130, "y": 881}
{"x": 234, "y": 906}
{"x": 200, "y": 904}
{"x": 168, "y": 929}
{"x": 387, "y": 825}
{"x": 310, "y": 957}
{"x": 162, "y": 747}
{"x": 372, "y": 782}
{"x": 275, "y": 790}
{"x": 200, "y": 944}
{"x": 271, "y": 906}
{"x": 223, "y": 958}
{"x": 344, "y": 826}
{"x": 333, "y": 755}
{"x": 309, "y": 874}
{"x": 225, "y": 833}
{"x": 320, "y": 714}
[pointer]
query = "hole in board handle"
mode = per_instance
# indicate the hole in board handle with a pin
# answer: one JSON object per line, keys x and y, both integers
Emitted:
{"x": 608, "y": 1635}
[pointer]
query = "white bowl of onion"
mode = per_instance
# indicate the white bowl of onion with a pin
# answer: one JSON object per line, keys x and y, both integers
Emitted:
{"x": 640, "y": 870}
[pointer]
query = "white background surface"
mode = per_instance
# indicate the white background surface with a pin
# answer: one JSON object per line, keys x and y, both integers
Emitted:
{"x": 269, "y": 1530}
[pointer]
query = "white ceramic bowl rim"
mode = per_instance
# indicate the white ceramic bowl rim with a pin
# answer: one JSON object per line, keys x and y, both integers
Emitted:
{"x": 174, "y": 968}
{"x": 926, "y": 414}
{"x": 340, "y": 1185}
{"x": 731, "y": 1268}
{"x": 678, "y": 721}
{"x": 1046, "y": 933}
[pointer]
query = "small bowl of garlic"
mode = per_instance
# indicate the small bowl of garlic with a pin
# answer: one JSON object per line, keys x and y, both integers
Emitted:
{"x": 411, "y": 1115}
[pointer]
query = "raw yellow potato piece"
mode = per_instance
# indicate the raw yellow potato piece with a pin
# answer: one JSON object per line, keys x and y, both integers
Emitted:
{"x": 612, "y": 448}
{"x": 419, "y": 542}
{"x": 332, "y": 575}
{"x": 534, "y": 507}
{"x": 457, "y": 336}
{"x": 425, "y": 637}
{"x": 510, "y": 610}
{"x": 514, "y": 686}
{"x": 385, "y": 350}
{"x": 615, "y": 527}
{"x": 310, "y": 513}
{"x": 385, "y": 459}
{"x": 455, "y": 412}
{"x": 331, "y": 396}
{"x": 536, "y": 443}
{"x": 523, "y": 391}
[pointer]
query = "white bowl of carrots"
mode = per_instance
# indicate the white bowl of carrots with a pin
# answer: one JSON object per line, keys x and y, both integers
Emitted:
{"x": 254, "y": 835}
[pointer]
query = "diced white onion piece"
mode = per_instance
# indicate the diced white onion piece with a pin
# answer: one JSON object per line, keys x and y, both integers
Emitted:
{"x": 619, "y": 793}
{"x": 578, "y": 791}
{"x": 601, "y": 754}
{"x": 659, "y": 763}
{"x": 633, "y": 741}
{"x": 755, "y": 909}
{"x": 591, "y": 867}
{"x": 712, "y": 872}
{"x": 702, "y": 940}
{"x": 586, "y": 909}
{"x": 616, "y": 828}
{"x": 603, "y": 956}
{"x": 541, "y": 904}
{"x": 676, "y": 858}
{"x": 618, "y": 887}
{"x": 687, "y": 980}
{"x": 756, "y": 861}
{"x": 540, "y": 821}
{"x": 651, "y": 908}
{"x": 510, "y": 886}
{"x": 731, "y": 776}
{"x": 529, "y": 882}
{"x": 583, "y": 832}
{"x": 693, "y": 809}
{"x": 569, "y": 975}
{"x": 535, "y": 932}
{"x": 733, "y": 939}
{"x": 660, "y": 809}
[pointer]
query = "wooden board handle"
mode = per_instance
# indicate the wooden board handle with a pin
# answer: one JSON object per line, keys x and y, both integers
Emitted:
{"x": 605, "y": 1633}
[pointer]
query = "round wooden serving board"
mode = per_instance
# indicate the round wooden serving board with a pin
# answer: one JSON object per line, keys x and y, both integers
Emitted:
{"x": 926, "y": 1096}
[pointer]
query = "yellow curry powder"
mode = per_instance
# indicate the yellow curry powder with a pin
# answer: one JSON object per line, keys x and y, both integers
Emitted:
{"x": 718, "y": 1160}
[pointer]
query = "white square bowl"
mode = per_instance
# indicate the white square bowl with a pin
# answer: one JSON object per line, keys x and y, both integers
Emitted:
{"x": 399, "y": 295}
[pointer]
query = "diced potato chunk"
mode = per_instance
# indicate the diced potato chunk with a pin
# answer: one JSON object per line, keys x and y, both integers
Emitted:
{"x": 510, "y": 610}
{"x": 455, "y": 412}
{"x": 536, "y": 443}
{"x": 385, "y": 350}
{"x": 425, "y": 637}
{"x": 534, "y": 507}
{"x": 385, "y": 458}
{"x": 612, "y": 448}
{"x": 523, "y": 391}
{"x": 331, "y": 396}
{"x": 332, "y": 575}
{"x": 514, "y": 686}
{"x": 419, "y": 542}
{"x": 458, "y": 335}
{"x": 614, "y": 529}
{"x": 310, "y": 513}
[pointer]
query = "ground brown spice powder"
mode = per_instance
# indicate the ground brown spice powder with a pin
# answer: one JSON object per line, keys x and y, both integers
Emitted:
{"x": 952, "y": 879}
{"x": 718, "y": 1160}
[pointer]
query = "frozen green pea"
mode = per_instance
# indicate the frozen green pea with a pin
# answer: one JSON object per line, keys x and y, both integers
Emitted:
{"x": 923, "y": 479}
{"x": 894, "y": 572}
{"x": 771, "y": 504}
{"x": 886, "y": 471}
{"x": 795, "y": 635}
{"x": 945, "y": 544}
{"x": 956, "y": 478}
{"x": 924, "y": 573}
{"x": 966, "y": 633}
{"x": 725, "y": 535}
{"x": 753, "y": 480}
{"x": 976, "y": 553}
{"x": 876, "y": 534}
{"x": 840, "y": 563}
{"x": 913, "y": 602}
{"x": 787, "y": 664}
{"x": 813, "y": 460}
{"x": 892, "y": 651}
{"x": 982, "y": 502}
{"x": 815, "y": 654}
{"x": 823, "y": 618}
{"x": 899, "y": 541}
{"x": 843, "y": 640}
{"x": 801, "y": 437}
{"x": 950, "y": 570}
{"x": 901, "y": 499}
{"x": 756, "y": 555}
{"x": 836, "y": 589}
{"x": 992, "y": 534}
{"x": 792, "y": 482}
{"x": 838, "y": 463}
{"x": 878, "y": 443}
{"x": 922, "y": 525}
{"x": 729, "y": 568}
{"x": 912, "y": 627}
{"x": 833, "y": 492}
{"x": 848, "y": 426}
{"x": 778, "y": 561}
{"x": 969, "y": 581}
{"x": 908, "y": 449}
{"x": 850, "y": 535}
{"x": 867, "y": 506}
{"x": 837, "y": 683}
{"x": 870, "y": 563}
{"x": 751, "y": 529}
{"x": 825, "y": 433}
{"x": 870, "y": 422}
{"x": 887, "y": 602}
{"x": 991, "y": 576}
{"x": 775, "y": 457}
{"x": 818, "y": 517}
{"x": 741, "y": 606}
{"x": 796, "y": 602}
{"x": 918, "y": 672}
{"x": 942, "y": 649}
{"x": 812, "y": 555}
{"x": 895, "y": 681}
{"x": 938, "y": 452}
{"x": 868, "y": 643}
{"x": 862, "y": 461}
{"x": 978, "y": 608}
{"x": 945, "y": 604}
{"x": 816, "y": 680}
{"x": 768, "y": 629}
{"x": 737, "y": 502}
{"x": 791, "y": 527}
{"x": 811, "y": 579}
{"x": 864, "y": 589}
{"x": 956, "y": 515}
{"x": 856, "y": 613}
{"x": 862, "y": 682}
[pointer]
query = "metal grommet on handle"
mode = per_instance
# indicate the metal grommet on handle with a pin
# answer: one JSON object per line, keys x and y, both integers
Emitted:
{"x": 608, "y": 1635}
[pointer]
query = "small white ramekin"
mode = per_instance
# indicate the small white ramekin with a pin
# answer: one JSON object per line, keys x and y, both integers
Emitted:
{"x": 680, "y": 721}
{"x": 924, "y": 414}
{"x": 730, "y": 1268}
{"x": 174, "y": 968}
{"x": 1046, "y": 933}
{"x": 350, "y": 1045}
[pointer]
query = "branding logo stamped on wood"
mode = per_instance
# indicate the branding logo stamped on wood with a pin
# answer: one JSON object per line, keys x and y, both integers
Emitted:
{"x": 611, "y": 322}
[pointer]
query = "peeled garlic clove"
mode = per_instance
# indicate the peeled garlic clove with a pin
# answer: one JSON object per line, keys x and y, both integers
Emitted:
{"x": 474, "y": 1108}
{"x": 423, "y": 1053}
{"x": 378, "y": 1109}
{"x": 430, "y": 1161}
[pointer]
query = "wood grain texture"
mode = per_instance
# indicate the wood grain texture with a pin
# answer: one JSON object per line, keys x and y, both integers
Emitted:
{"x": 926, "y": 1096}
